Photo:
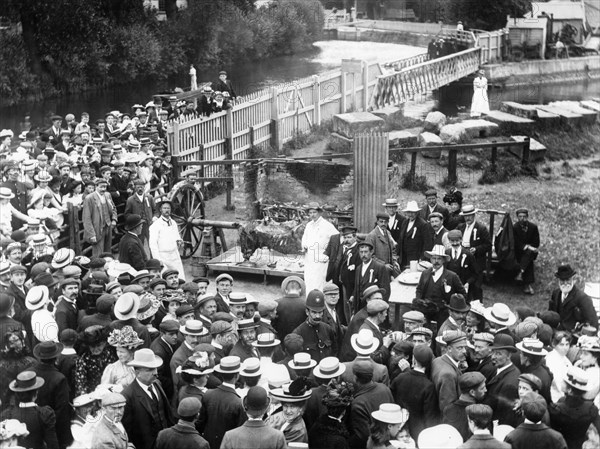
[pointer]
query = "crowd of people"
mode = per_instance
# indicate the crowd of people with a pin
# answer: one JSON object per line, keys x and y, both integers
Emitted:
{"x": 121, "y": 350}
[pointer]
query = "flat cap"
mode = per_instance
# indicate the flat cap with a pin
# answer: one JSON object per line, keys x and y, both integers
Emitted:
{"x": 455, "y": 234}
{"x": 363, "y": 367}
{"x": 219, "y": 327}
{"x": 330, "y": 287}
{"x": 169, "y": 326}
{"x": 189, "y": 406}
{"x": 437, "y": 215}
{"x": 17, "y": 269}
{"x": 470, "y": 380}
{"x": 414, "y": 315}
{"x": 376, "y": 306}
{"x": 422, "y": 331}
{"x": 266, "y": 306}
{"x": 453, "y": 336}
{"x": 183, "y": 309}
{"x": 224, "y": 277}
{"x": 222, "y": 316}
{"x": 113, "y": 399}
{"x": 423, "y": 354}
{"x": 484, "y": 336}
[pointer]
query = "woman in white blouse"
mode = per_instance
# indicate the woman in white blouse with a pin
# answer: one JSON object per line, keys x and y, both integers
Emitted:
{"x": 558, "y": 363}
{"x": 125, "y": 340}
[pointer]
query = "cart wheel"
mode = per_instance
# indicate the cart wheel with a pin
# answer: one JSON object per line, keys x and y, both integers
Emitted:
{"x": 187, "y": 203}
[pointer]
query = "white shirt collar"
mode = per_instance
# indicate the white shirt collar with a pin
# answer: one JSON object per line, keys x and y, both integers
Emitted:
{"x": 227, "y": 384}
{"x": 504, "y": 368}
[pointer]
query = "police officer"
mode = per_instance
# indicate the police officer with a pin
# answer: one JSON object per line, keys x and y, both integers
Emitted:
{"x": 319, "y": 337}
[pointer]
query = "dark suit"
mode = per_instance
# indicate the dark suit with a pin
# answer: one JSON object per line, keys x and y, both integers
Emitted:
{"x": 334, "y": 250}
{"x": 437, "y": 292}
{"x": 145, "y": 209}
{"x": 577, "y": 308}
{"x": 376, "y": 274}
{"x": 526, "y": 235}
{"x": 337, "y": 326}
{"x": 484, "y": 441}
{"x": 534, "y": 436}
{"x": 165, "y": 351}
{"x": 367, "y": 399}
{"x": 424, "y": 213}
{"x": 221, "y": 411}
{"x": 19, "y": 304}
{"x": 502, "y": 393}
{"x": 396, "y": 226}
{"x": 384, "y": 245}
{"x": 222, "y": 305}
{"x": 319, "y": 340}
{"x": 118, "y": 189}
{"x": 131, "y": 251}
{"x": 465, "y": 267}
{"x": 481, "y": 241}
{"x": 455, "y": 414}
{"x": 444, "y": 375}
{"x": 55, "y": 394}
{"x": 65, "y": 314}
{"x": 571, "y": 416}
{"x": 348, "y": 266}
{"x": 182, "y": 435}
{"x": 143, "y": 418}
{"x": 415, "y": 392}
{"x": 40, "y": 422}
{"x": 414, "y": 242}
{"x": 291, "y": 312}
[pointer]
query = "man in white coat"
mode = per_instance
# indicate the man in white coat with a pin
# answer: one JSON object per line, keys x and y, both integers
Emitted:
{"x": 314, "y": 241}
{"x": 165, "y": 240}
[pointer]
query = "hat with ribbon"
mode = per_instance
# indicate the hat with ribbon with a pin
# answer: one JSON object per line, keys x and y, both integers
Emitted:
{"x": 565, "y": 272}
{"x": 145, "y": 358}
{"x": 47, "y": 350}
{"x": 302, "y": 360}
{"x": 194, "y": 327}
{"x": 237, "y": 299}
{"x": 26, "y": 381}
{"x": 411, "y": 206}
{"x": 251, "y": 367}
{"x": 438, "y": 250}
{"x": 62, "y": 257}
{"x": 577, "y": 378}
{"x": 249, "y": 323}
{"x": 198, "y": 364}
{"x": 364, "y": 342}
{"x": 297, "y": 391}
{"x": 458, "y": 303}
{"x": 37, "y": 297}
{"x": 390, "y": 202}
{"x": 467, "y": 209}
{"x": 229, "y": 365}
{"x": 266, "y": 340}
{"x": 125, "y": 337}
{"x": 329, "y": 368}
{"x": 500, "y": 314}
{"x": 391, "y": 414}
{"x": 127, "y": 306}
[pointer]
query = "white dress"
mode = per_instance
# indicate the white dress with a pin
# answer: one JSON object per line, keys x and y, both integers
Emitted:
{"x": 314, "y": 241}
{"x": 558, "y": 366}
{"x": 163, "y": 244}
{"x": 480, "y": 103}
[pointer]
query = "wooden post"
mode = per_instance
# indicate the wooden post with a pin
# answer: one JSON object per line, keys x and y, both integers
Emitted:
{"x": 275, "y": 137}
{"x": 343, "y": 106}
{"x": 452, "y": 176}
{"x": 488, "y": 256}
{"x": 526, "y": 147}
{"x": 365, "y": 82}
{"x": 413, "y": 164}
{"x": 251, "y": 137}
{"x": 228, "y": 154}
{"x": 175, "y": 149}
{"x": 201, "y": 158}
{"x": 494, "y": 155}
{"x": 316, "y": 93}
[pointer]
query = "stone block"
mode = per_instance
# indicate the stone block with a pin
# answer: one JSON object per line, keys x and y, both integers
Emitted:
{"x": 428, "y": 139}
{"x": 339, "y": 144}
{"x": 454, "y": 134}
{"x": 590, "y": 104}
{"x": 587, "y": 115}
{"x": 537, "y": 151}
{"x": 566, "y": 116}
{"x": 434, "y": 122}
{"x": 480, "y": 128}
{"x": 521, "y": 110}
{"x": 353, "y": 123}
{"x": 392, "y": 115}
{"x": 510, "y": 122}
{"x": 403, "y": 139}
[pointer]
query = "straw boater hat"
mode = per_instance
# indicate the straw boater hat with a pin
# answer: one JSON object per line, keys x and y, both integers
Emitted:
{"x": 314, "y": 206}
{"x": 266, "y": 340}
{"x": 442, "y": 436}
{"x": 532, "y": 346}
{"x": 390, "y": 202}
{"x": 145, "y": 358}
{"x": 578, "y": 378}
{"x": 127, "y": 306}
{"x": 411, "y": 206}
{"x": 194, "y": 327}
{"x": 438, "y": 250}
{"x": 391, "y": 414}
{"x": 26, "y": 381}
{"x": 37, "y": 297}
{"x": 125, "y": 337}
{"x": 364, "y": 342}
{"x": 477, "y": 307}
{"x": 302, "y": 360}
{"x": 229, "y": 365}
{"x": 249, "y": 323}
{"x": 251, "y": 367}
{"x": 237, "y": 299}
{"x": 500, "y": 314}
{"x": 62, "y": 257}
{"x": 468, "y": 209}
{"x": 329, "y": 368}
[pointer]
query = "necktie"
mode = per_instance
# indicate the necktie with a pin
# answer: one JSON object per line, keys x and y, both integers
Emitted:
{"x": 153, "y": 394}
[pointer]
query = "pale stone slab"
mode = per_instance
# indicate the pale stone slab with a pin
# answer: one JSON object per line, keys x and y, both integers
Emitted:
{"x": 590, "y": 104}
{"x": 566, "y": 115}
{"x": 353, "y": 123}
{"x": 587, "y": 115}
{"x": 513, "y": 122}
{"x": 522, "y": 110}
{"x": 428, "y": 139}
{"x": 537, "y": 151}
{"x": 403, "y": 139}
{"x": 480, "y": 128}
{"x": 454, "y": 134}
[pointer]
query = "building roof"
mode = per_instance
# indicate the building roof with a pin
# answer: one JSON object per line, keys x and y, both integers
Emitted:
{"x": 560, "y": 10}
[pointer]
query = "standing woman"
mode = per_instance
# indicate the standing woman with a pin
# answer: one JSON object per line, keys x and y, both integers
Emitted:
{"x": 480, "y": 103}
{"x": 194, "y": 372}
{"x": 125, "y": 341}
{"x": 388, "y": 423}
{"x": 589, "y": 361}
{"x": 558, "y": 363}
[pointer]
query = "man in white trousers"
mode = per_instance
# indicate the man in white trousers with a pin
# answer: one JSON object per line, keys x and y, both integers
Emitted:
{"x": 314, "y": 241}
{"x": 165, "y": 240}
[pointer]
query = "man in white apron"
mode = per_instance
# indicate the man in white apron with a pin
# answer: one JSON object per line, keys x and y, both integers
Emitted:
{"x": 165, "y": 240}
{"x": 314, "y": 241}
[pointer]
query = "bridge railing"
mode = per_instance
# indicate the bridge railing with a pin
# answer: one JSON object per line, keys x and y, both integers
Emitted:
{"x": 401, "y": 86}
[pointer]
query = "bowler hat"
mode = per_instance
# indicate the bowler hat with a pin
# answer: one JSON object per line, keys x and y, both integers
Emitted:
{"x": 256, "y": 400}
{"x": 47, "y": 350}
{"x": 132, "y": 221}
{"x": 503, "y": 341}
{"x": 153, "y": 264}
{"x": 458, "y": 303}
{"x": 565, "y": 272}
{"x": 349, "y": 230}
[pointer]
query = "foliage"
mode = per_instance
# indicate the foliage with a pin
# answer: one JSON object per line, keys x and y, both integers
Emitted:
{"x": 416, "y": 183}
{"x": 16, "y": 79}
{"x": 136, "y": 52}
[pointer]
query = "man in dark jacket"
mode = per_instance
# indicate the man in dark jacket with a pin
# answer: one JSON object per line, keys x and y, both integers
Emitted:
{"x": 55, "y": 391}
{"x": 479, "y": 417}
{"x": 65, "y": 312}
{"x": 527, "y": 242}
{"x": 290, "y": 307}
{"x": 396, "y": 219}
{"x": 462, "y": 262}
{"x": 416, "y": 236}
{"x": 367, "y": 398}
{"x": 142, "y": 204}
{"x": 348, "y": 265}
{"x": 571, "y": 303}
{"x": 476, "y": 239}
{"x": 131, "y": 248}
{"x": 472, "y": 391}
{"x": 370, "y": 272}
{"x": 433, "y": 206}
{"x": 183, "y": 435}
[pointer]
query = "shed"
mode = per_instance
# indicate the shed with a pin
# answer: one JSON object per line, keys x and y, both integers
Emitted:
{"x": 528, "y": 33}
{"x": 561, "y": 13}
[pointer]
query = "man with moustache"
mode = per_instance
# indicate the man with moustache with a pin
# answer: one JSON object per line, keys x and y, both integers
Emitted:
{"x": 99, "y": 218}
{"x": 350, "y": 261}
{"x": 415, "y": 236}
{"x": 109, "y": 431}
{"x": 476, "y": 239}
{"x": 147, "y": 408}
{"x": 319, "y": 338}
{"x": 330, "y": 313}
{"x": 65, "y": 310}
{"x": 482, "y": 354}
{"x": 440, "y": 233}
{"x": 445, "y": 370}
{"x": 383, "y": 244}
{"x": 142, "y": 204}
{"x": 369, "y": 272}
{"x": 396, "y": 219}
{"x": 527, "y": 242}
{"x": 247, "y": 332}
{"x": 165, "y": 240}
{"x": 462, "y": 262}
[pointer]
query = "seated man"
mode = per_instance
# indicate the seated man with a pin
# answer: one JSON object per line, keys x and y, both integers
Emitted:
{"x": 527, "y": 242}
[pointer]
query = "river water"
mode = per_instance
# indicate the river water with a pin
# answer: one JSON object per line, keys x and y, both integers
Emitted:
{"x": 252, "y": 76}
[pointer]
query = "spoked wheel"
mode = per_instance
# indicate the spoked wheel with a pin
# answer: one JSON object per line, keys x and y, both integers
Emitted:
{"x": 187, "y": 203}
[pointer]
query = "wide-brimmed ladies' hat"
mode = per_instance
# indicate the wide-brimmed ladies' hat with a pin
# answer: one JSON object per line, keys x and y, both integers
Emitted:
{"x": 297, "y": 391}
{"x": 198, "y": 364}
{"x": 145, "y": 358}
{"x": 500, "y": 314}
{"x": 329, "y": 368}
{"x": 391, "y": 414}
{"x": 363, "y": 342}
{"x": 125, "y": 337}
{"x": 149, "y": 305}
{"x": 477, "y": 307}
